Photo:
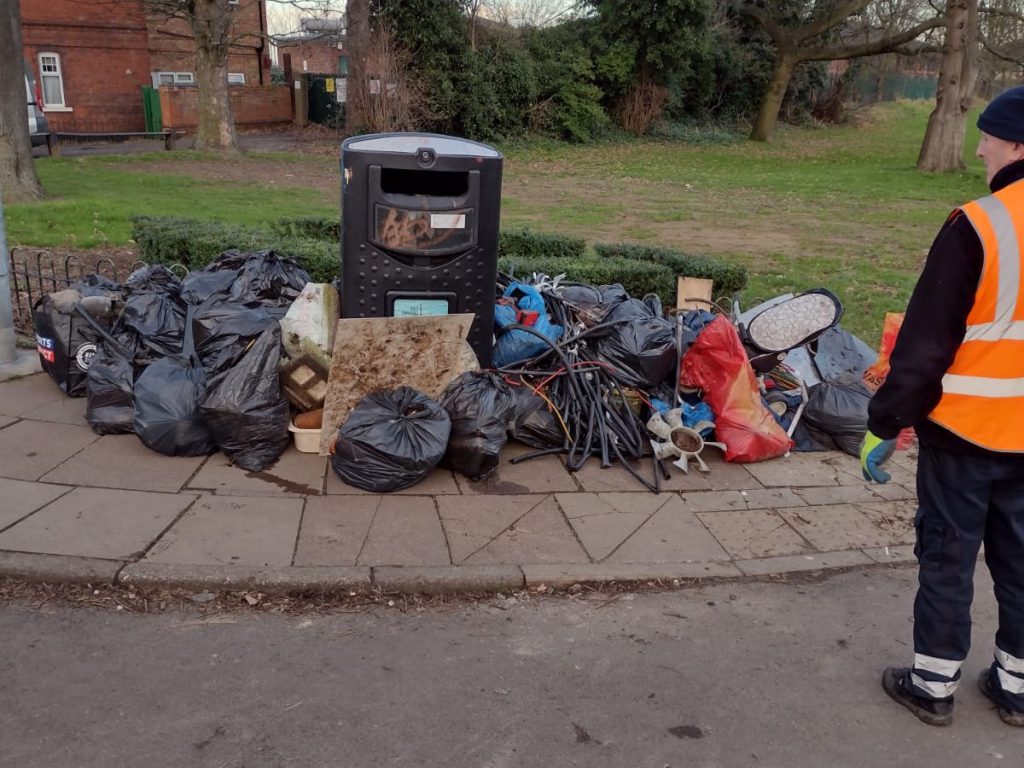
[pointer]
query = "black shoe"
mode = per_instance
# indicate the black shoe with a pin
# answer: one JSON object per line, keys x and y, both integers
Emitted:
{"x": 1008, "y": 716}
{"x": 896, "y": 682}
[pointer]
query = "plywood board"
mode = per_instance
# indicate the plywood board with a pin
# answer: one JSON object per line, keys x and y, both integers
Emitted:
{"x": 693, "y": 288}
{"x": 376, "y": 353}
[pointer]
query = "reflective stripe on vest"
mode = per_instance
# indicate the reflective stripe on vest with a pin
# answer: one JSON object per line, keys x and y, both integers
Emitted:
{"x": 983, "y": 391}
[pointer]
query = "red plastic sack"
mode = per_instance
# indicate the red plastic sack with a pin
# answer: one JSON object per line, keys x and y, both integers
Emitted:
{"x": 718, "y": 364}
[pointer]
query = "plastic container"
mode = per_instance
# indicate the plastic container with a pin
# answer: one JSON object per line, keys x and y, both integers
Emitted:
{"x": 306, "y": 440}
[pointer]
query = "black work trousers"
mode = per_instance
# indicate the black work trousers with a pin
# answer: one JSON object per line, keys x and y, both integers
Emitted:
{"x": 965, "y": 500}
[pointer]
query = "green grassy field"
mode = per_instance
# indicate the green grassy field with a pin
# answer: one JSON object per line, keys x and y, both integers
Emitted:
{"x": 841, "y": 207}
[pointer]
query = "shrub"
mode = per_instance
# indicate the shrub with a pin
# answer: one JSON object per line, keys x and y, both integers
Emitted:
{"x": 312, "y": 227}
{"x": 526, "y": 244}
{"x": 728, "y": 278}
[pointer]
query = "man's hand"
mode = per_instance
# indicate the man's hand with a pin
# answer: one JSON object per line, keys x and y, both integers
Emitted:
{"x": 874, "y": 452}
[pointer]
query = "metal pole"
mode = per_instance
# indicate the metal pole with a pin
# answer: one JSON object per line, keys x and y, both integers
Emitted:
{"x": 8, "y": 352}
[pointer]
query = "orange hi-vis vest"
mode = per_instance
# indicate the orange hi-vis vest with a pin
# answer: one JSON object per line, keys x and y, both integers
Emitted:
{"x": 983, "y": 391}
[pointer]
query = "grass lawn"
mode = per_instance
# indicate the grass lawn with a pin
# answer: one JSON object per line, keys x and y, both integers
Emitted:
{"x": 839, "y": 207}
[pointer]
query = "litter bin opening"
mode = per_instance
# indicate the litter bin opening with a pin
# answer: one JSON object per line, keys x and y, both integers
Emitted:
{"x": 411, "y": 182}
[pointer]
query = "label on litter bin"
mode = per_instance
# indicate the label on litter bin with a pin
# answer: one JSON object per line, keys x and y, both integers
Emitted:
{"x": 447, "y": 221}
{"x": 420, "y": 307}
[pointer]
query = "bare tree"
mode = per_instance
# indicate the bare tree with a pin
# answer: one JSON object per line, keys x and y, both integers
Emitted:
{"x": 529, "y": 13}
{"x": 816, "y": 35}
{"x": 358, "y": 41}
{"x": 18, "y": 180}
{"x": 943, "y": 146}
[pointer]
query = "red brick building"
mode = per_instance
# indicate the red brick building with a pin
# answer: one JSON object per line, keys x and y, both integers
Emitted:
{"x": 319, "y": 47}
{"x": 91, "y": 58}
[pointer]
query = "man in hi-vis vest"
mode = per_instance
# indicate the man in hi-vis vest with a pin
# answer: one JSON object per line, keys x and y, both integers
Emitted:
{"x": 957, "y": 377}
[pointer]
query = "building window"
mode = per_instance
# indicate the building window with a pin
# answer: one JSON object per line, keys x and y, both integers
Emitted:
{"x": 173, "y": 78}
{"x": 236, "y": 78}
{"x": 52, "y": 80}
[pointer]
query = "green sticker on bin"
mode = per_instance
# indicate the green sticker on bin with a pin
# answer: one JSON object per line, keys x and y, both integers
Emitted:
{"x": 420, "y": 307}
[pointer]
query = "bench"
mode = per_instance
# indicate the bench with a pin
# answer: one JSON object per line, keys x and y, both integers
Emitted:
{"x": 54, "y": 140}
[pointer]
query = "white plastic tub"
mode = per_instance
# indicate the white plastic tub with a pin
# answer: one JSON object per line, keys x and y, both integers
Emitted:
{"x": 306, "y": 440}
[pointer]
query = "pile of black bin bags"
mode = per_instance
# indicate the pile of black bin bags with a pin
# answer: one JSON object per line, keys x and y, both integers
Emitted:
{"x": 190, "y": 365}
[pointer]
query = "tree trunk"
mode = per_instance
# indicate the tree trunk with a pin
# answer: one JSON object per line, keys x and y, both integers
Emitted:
{"x": 943, "y": 146}
{"x": 771, "y": 103}
{"x": 211, "y": 24}
{"x": 358, "y": 43}
{"x": 18, "y": 180}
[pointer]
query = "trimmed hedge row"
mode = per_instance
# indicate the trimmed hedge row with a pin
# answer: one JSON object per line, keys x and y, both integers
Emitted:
{"x": 313, "y": 242}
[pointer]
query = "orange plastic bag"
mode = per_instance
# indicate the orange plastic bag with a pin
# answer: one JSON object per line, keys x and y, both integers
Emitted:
{"x": 877, "y": 372}
{"x": 718, "y": 364}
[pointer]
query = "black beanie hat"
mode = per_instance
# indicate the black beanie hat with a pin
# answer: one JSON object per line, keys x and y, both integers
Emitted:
{"x": 1004, "y": 116}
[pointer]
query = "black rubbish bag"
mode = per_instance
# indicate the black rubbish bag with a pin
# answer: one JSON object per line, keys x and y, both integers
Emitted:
{"x": 168, "y": 396}
{"x": 223, "y": 331}
{"x": 110, "y": 387}
{"x": 533, "y": 422}
{"x": 481, "y": 406}
{"x": 200, "y": 285}
{"x": 66, "y": 343}
{"x": 837, "y": 413}
{"x": 591, "y": 304}
{"x": 152, "y": 278}
{"x": 640, "y": 345}
{"x": 263, "y": 276}
{"x": 837, "y": 351}
{"x": 392, "y": 439}
{"x": 245, "y": 410}
{"x": 153, "y": 309}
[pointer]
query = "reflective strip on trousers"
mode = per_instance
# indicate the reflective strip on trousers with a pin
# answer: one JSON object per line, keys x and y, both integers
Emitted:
{"x": 982, "y": 386}
{"x": 933, "y": 689}
{"x": 1008, "y": 662}
{"x": 1009, "y": 683}
{"x": 944, "y": 667}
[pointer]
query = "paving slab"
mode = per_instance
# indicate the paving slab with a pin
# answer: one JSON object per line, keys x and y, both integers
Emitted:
{"x": 545, "y": 474}
{"x": 602, "y": 521}
{"x": 771, "y": 498}
{"x": 798, "y": 470}
{"x": 334, "y": 529}
{"x": 714, "y": 501}
{"x": 232, "y": 531}
{"x": 894, "y": 518}
{"x": 616, "y": 478}
{"x": 896, "y": 492}
{"x": 836, "y": 527}
{"x": 267, "y": 579}
{"x": 67, "y": 410}
{"x": 837, "y": 494}
{"x": 753, "y": 534}
{"x": 22, "y": 395}
{"x": 406, "y": 530}
{"x": 294, "y": 474}
{"x": 6, "y": 421}
{"x": 582, "y": 573}
{"x": 540, "y": 536}
{"x": 472, "y": 522}
{"x": 58, "y": 569}
{"x": 728, "y": 476}
{"x": 97, "y": 522}
{"x": 122, "y": 461}
{"x": 848, "y": 471}
{"x": 30, "y": 449}
{"x": 21, "y": 498}
{"x": 674, "y": 534}
{"x": 439, "y": 580}
{"x": 440, "y": 482}
{"x": 897, "y": 555}
{"x": 820, "y": 561}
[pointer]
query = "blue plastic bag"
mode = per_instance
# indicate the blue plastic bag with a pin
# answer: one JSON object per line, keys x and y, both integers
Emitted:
{"x": 516, "y": 346}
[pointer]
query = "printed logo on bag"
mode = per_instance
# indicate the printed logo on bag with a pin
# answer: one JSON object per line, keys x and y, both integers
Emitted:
{"x": 84, "y": 356}
{"x": 44, "y": 347}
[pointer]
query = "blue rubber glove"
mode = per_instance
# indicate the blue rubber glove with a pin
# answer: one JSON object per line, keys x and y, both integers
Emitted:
{"x": 874, "y": 451}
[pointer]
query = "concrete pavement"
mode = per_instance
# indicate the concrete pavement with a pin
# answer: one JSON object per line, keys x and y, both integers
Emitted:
{"x": 75, "y": 506}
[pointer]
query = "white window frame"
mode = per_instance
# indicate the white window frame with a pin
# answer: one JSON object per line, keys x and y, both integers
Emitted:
{"x": 59, "y": 74}
{"x": 236, "y": 78}
{"x": 177, "y": 78}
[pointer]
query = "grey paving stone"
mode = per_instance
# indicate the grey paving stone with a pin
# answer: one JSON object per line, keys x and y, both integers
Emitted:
{"x": 405, "y": 531}
{"x": 895, "y": 492}
{"x": 275, "y": 580}
{"x": 122, "y": 461}
{"x": 838, "y": 494}
{"x": 714, "y": 501}
{"x": 798, "y": 470}
{"x": 896, "y": 555}
{"x": 602, "y": 521}
{"x": 894, "y": 518}
{"x": 906, "y": 459}
{"x": 726, "y": 476}
{"x": 848, "y": 471}
{"x": 673, "y": 535}
{"x": 6, "y": 421}
{"x": 439, "y": 580}
{"x": 232, "y": 531}
{"x": 21, "y": 498}
{"x": 440, "y": 482}
{"x": 96, "y": 522}
{"x": 606, "y": 573}
{"x": 30, "y": 449}
{"x": 751, "y": 534}
{"x": 67, "y": 410}
{"x": 22, "y": 395}
{"x": 617, "y": 478}
{"x": 546, "y": 474}
{"x": 294, "y": 474}
{"x": 794, "y": 563}
{"x": 540, "y": 536}
{"x": 471, "y": 522}
{"x": 837, "y": 527}
{"x": 58, "y": 569}
{"x": 334, "y": 529}
{"x": 771, "y": 498}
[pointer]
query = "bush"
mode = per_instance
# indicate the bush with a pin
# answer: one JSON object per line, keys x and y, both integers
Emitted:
{"x": 311, "y": 227}
{"x": 728, "y": 278}
{"x": 526, "y": 244}
{"x": 638, "y": 277}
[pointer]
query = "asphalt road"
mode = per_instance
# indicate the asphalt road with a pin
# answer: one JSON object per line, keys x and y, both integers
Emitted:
{"x": 741, "y": 674}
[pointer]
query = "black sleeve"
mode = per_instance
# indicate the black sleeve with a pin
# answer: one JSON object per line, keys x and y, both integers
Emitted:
{"x": 932, "y": 331}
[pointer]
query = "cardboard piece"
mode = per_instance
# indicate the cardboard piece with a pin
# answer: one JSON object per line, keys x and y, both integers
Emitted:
{"x": 693, "y": 288}
{"x": 376, "y": 353}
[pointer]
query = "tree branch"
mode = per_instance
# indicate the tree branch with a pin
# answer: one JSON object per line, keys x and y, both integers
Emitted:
{"x": 883, "y": 45}
{"x": 833, "y": 18}
{"x": 776, "y": 32}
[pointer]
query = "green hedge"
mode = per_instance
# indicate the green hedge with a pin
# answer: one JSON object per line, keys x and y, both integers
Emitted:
{"x": 728, "y": 278}
{"x": 526, "y": 244}
{"x": 638, "y": 277}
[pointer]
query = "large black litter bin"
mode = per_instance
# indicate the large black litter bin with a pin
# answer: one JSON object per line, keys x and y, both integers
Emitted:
{"x": 420, "y": 229}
